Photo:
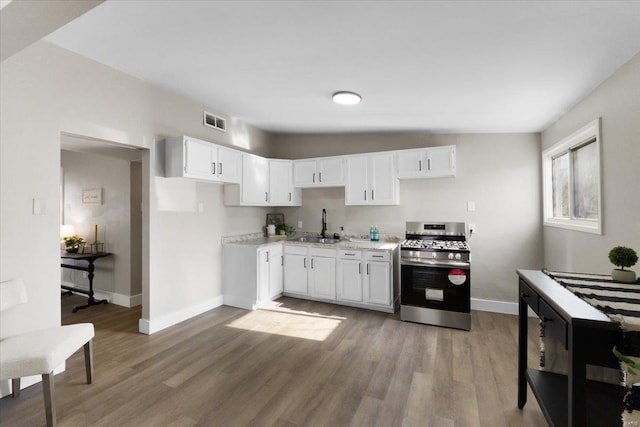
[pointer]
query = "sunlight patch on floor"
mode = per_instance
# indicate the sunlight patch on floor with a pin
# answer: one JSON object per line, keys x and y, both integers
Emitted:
{"x": 272, "y": 318}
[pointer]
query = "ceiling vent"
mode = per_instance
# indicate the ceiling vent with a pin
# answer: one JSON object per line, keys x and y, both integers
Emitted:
{"x": 213, "y": 121}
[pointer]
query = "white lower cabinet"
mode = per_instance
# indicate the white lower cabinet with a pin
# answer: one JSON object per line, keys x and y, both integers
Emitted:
{"x": 365, "y": 279}
{"x": 378, "y": 278}
{"x": 310, "y": 271}
{"x": 248, "y": 284}
{"x": 349, "y": 276}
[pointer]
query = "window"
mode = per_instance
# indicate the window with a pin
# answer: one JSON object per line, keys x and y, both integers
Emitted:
{"x": 571, "y": 181}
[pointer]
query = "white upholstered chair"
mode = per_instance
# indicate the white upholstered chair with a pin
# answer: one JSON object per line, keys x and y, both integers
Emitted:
{"x": 40, "y": 352}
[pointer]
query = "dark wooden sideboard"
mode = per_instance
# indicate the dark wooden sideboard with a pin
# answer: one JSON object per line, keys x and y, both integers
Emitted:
{"x": 588, "y": 335}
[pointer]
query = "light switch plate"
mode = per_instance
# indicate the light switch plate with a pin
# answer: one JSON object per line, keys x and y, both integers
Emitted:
{"x": 299, "y": 225}
{"x": 471, "y": 206}
{"x": 38, "y": 207}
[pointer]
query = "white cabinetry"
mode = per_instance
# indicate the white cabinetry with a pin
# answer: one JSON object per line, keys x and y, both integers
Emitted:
{"x": 247, "y": 284}
{"x": 295, "y": 270}
{"x": 349, "y": 276}
{"x": 372, "y": 180}
{"x": 310, "y": 271}
{"x": 192, "y": 158}
{"x": 265, "y": 182}
{"x": 322, "y": 172}
{"x": 427, "y": 162}
{"x": 365, "y": 279}
{"x": 281, "y": 189}
{"x": 378, "y": 278}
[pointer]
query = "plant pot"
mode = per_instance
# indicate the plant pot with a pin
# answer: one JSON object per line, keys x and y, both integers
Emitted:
{"x": 72, "y": 250}
{"x": 625, "y": 276}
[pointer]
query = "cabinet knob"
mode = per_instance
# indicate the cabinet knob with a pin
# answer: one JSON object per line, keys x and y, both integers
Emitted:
{"x": 320, "y": 177}
{"x": 213, "y": 168}
{"x": 314, "y": 177}
{"x": 220, "y": 168}
{"x": 420, "y": 165}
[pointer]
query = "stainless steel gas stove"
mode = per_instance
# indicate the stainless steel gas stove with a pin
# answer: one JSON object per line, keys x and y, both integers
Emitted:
{"x": 435, "y": 283}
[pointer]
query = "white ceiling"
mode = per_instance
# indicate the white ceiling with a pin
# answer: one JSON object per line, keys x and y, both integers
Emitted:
{"x": 440, "y": 66}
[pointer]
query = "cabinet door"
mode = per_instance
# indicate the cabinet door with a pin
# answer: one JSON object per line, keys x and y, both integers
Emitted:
{"x": 330, "y": 171}
{"x": 377, "y": 283}
{"x": 411, "y": 163}
{"x": 254, "y": 180}
{"x": 322, "y": 278}
{"x": 295, "y": 273}
{"x": 198, "y": 158}
{"x": 276, "y": 263}
{"x": 384, "y": 186}
{"x": 280, "y": 183}
{"x": 441, "y": 161}
{"x": 304, "y": 173}
{"x": 263, "y": 274}
{"x": 229, "y": 167}
{"x": 349, "y": 280}
{"x": 356, "y": 188}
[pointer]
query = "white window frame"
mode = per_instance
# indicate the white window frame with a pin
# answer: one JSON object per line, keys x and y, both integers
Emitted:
{"x": 587, "y": 133}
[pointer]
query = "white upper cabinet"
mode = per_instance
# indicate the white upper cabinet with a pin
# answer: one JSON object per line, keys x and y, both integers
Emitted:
{"x": 281, "y": 190}
{"x": 229, "y": 165}
{"x": 427, "y": 162}
{"x": 322, "y": 172}
{"x": 372, "y": 180}
{"x": 265, "y": 182}
{"x": 193, "y": 158}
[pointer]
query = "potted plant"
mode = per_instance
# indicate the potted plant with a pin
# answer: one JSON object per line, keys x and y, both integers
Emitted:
{"x": 283, "y": 229}
{"x": 631, "y": 401}
{"x": 72, "y": 244}
{"x": 622, "y": 257}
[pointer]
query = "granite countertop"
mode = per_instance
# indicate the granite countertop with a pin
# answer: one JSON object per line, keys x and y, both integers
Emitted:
{"x": 384, "y": 245}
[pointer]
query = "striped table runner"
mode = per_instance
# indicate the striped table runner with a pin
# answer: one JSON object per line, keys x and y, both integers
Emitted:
{"x": 619, "y": 301}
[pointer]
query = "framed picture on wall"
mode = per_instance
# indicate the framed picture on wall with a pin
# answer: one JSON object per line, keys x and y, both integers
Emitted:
{"x": 275, "y": 219}
{"x": 92, "y": 196}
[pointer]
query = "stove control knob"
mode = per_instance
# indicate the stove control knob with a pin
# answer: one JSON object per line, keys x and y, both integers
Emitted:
{"x": 434, "y": 255}
{"x": 450, "y": 256}
{"x": 458, "y": 256}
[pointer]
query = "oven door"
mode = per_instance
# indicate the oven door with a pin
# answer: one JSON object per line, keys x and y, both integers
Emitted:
{"x": 436, "y": 285}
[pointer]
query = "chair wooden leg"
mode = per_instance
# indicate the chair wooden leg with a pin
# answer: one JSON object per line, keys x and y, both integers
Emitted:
{"x": 15, "y": 387}
{"x": 88, "y": 360}
{"x": 49, "y": 398}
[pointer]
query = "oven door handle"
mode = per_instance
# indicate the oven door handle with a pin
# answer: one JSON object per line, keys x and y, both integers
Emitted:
{"x": 430, "y": 263}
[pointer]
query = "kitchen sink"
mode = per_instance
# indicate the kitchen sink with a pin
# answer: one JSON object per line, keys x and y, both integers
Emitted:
{"x": 309, "y": 239}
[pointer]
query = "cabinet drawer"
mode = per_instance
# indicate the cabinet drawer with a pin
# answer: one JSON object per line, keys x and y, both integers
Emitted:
{"x": 382, "y": 256}
{"x": 529, "y": 296}
{"x": 346, "y": 254}
{"x": 295, "y": 249}
{"x": 554, "y": 324}
{"x": 329, "y": 253}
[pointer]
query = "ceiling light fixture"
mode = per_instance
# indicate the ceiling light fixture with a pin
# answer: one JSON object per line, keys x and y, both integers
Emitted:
{"x": 346, "y": 98}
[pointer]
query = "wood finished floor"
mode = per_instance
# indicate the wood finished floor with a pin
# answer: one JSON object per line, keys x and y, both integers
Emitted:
{"x": 301, "y": 363}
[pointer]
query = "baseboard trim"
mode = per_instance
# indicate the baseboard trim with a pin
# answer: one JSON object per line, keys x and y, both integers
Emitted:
{"x": 151, "y": 326}
{"x": 112, "y": 297}
{"x": 502, "y": 307}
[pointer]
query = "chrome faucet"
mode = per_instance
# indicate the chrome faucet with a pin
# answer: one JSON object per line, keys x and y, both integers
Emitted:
{"x": 324, "y": 223}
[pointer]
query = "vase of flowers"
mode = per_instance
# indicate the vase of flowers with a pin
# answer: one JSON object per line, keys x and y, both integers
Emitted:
{"x": 72, "y": 244}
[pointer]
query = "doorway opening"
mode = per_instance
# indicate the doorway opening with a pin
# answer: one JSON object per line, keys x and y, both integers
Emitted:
{"x": 101, "y": 201}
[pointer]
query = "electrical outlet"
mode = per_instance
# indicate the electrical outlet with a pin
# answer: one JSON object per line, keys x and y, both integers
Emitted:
{"x": 472, "y": 229}
{"x": 299, "y": 225}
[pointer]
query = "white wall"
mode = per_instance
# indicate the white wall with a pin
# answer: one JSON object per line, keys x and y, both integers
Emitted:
{"x": 499, "y": 172}
{"x": 617, "y": 101}
{"x": 83, "y": 171}
{"x": 46, "y": 91}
